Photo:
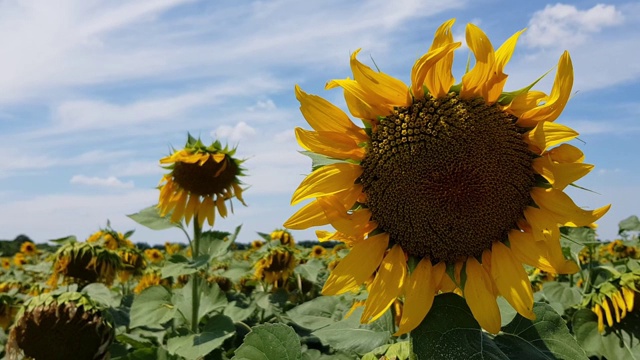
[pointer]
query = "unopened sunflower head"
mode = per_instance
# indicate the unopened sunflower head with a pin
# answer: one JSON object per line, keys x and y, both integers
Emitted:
{"x": 276, "y": 266}
{"x": 465, "y": 181}
{"x": 83, "y": 263}
{"x": 283, "y": 236}
{"x": 201, "y": 179}
{"x": 63, "y": 326}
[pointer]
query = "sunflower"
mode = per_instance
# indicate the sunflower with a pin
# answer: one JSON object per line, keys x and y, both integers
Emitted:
{"x": 283, "y": 236}
{"x": 149, "y": 279}
{"x": 28, "y": 248}
{"x": 5, "y": 262}
{"x": 202, "y": 178}
{"x": 256, "y": 244}
{"x": 132, "y": 263}
{"x": 172, "y": 248}
{"x": 19, "y": 260}
{"x": 611, "y": 303}
{"x": 276, "y": 266}
{"x": 110, "y": 239}
{"x": 447, "y": 187}
{"x": 153, "y": 255}
{"x": 318, "y": 251}
{"x": 85, "y": 264}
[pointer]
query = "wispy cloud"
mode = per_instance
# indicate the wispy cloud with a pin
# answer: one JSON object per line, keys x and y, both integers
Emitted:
{"x": 109, "y": 182}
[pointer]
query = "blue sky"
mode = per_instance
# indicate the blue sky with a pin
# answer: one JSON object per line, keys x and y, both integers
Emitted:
{"x": 94, "y": 93}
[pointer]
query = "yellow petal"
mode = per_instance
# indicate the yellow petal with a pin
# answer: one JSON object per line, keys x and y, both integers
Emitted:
{"x": 308, "y": 216}
{"x": 565, "y": 153}
{"x": 497, "y": 80}
{"x": 547, "y": 134}
{"x": 332, "y": 144}
{"x": 607, "y": 311}
{"x": 616, "y": 297}
{"x": 425, "y": 66}
{"x": 178, "y": 210}
{"x": 360, "y": 93}
{"x": 628, "y": 295}
{"x": 616, "y": 310}
{"x": 598, "y": 311}
{"x": 360, "y": 109}
{"x": 419, "y": 294}
{"x": 523, "y": 103}
{"x": 560, "y": 175}
{"x": 222, "y": 209}
{"x": 207, "y": 210}
{"x": 474, "y": 82}
{"x": 439, "y": 78}
{"x": 324, "y": 116}
{"x": 556, "y": 101}
{"x": 544, "y": 255}
{"x": 511, "y": 280}
{"x": 478, "y": 292}
{"x": 363, "y": 259}
{"x": 564, "y": 209}
{"x": 387, "y": 286}
{"x": 191, "y": 208}
{"x": 327, "y": 180}
{"x": 543, "y": 226}
{"x": 381, "y": 87}
{"x": 237, "y": 191}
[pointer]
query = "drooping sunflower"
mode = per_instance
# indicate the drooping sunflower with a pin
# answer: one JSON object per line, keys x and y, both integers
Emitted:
{"x": 447, "y": 187}
{"x": 276, "y": 266}
{"x": 283, "y": 236}
{"x": 84, "y": 264}
{"x": 110, "y": 239}
{"x": 202, "y": 178}
{"x": 28, "y": 248}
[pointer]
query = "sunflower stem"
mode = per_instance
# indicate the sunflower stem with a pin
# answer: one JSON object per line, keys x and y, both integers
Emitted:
{"x": 195, "y": 296}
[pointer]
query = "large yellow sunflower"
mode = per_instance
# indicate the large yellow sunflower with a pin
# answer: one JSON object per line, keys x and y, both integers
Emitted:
{"x": 202, "y": 178}
{"x": 447, "y": 187}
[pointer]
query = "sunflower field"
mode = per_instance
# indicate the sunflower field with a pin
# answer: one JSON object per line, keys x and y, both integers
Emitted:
{"x": 452, "y": 237}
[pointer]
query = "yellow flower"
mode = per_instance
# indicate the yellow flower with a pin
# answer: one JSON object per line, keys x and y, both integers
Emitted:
{"x": 6, "y": 263}
{"x": 154, "y": 255}
{"x": 19, "y": 260}
{"x": 202, "y": 178}
{"x": 283, "y": 236}
{"x": 84, "y": 264}
{"x": 28, "y": 248}
{"x": 318, "y": 251}
{"x": 149, "y": 279}
{"x": 276, "y": 266}
{"x": 110, "y": 239}
{"x": 256, "y": 244}
{"x": 612, "y": 307}
{"x": 463, "y": 176}
{"x": 172, "y": 248}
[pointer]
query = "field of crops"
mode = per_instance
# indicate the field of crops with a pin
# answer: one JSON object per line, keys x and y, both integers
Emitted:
{"x": 104, "y": 295}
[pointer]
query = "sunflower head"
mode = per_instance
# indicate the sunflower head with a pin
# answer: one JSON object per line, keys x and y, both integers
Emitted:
{"x": 149, "y": 279}
{"x": 200, "y": 180}
{"x": 64, "y": 326}
{"x": 172, "y": 248}
{"x": 283, "y": 236}
{"x": 318, "y": 251}
{"x": 458, "y": 177}
{"x": 19, "y": 260}
{"x": 256, "y": 244}
{"x": 28, "y": 248}
{"x": 5, "y": 262}
{"x": 276, "y": 266}
{"x": 84, "y": 264}
{"x": 132, "y": 263}
{"x": 154, "y": 255}
{"x": 110, "y": 238}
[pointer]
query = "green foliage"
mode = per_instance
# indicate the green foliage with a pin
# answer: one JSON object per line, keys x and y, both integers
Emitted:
{"x": 270, "y": 342}
{"x": 150, "y": 217}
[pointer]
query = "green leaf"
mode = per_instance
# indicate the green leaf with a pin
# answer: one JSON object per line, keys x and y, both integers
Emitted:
{"x": 211, "y": 299}
{"x": 546, "y": 337}
{"x": 449, "y": 331}
{"x": 632, "y": 223}
{"x": 64, "y": 240}
{"x": 237, "y": 270}
{"x": 318, "y": 160}
{"x": 238, "y": 311}
{"x": 270, "y": 342}
{"x": 310, "y": 269}
{"x": 179, "y": 265}
{"x": 134, "y": 340}
{"x": 398, "y": 351}
{"x": 315, "y": 314}
{"x": 608, "y": 344}
{"x": 152, "y": 308}
{"x": 577, "y": 238}
{"x": 351, "y": 336}
{"x": 195, "y": 346}
{"x": 562, "y": 293}
{"x": 100, "y": 293}
{"x": 150, "y": 218}
{"x": 216, "y": 243}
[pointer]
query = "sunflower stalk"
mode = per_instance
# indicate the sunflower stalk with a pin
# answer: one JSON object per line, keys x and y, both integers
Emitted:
{"x": 195, "y": 298}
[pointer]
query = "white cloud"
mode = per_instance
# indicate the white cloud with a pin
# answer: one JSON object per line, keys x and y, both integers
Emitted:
{"x": 263, "y": 105}
{"x": 241, "y": 131}
{"x": 111, "y": 181}
{"x": 560, "y": 25}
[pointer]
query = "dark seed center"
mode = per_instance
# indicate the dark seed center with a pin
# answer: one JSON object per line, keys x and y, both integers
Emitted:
{"x": 447, "y": 177}
{"x": 207, "y": 179}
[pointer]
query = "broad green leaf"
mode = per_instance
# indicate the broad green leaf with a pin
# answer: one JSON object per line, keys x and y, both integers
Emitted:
{"x": 318, "y": 160}
{"x": 64, "y": 240}
{"x": 310, "y": 269}
{"x": 546, "y": 337}
{"x": 562, "y": 293}
{"x": 398, "y": 351}
{"x": 238, "y": 311}
{"x": 351, "y": 336}
{"x": 315, "y": 314}
{"x": 210, "y": 296}
{"x": 135, "y": 341}
{"x": 177, "y": 266}
{"x": 216, "y": 243}
{"x": 100, "y": 293}
{"x": 150, "y": 218}
{"x": 195, "y": 346}
{"x": 577, "y": 238}
{"x": 449, "y": 331}
{"x": 270, "y": 342}
{"x": 152, "y": 308}
{"x": 632, "y": 223}
{"x": 608, "y": 344}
